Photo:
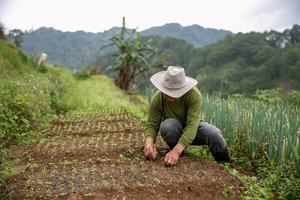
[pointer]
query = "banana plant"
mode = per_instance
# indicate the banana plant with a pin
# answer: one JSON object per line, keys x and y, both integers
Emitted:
{"x": 132, "y": 57}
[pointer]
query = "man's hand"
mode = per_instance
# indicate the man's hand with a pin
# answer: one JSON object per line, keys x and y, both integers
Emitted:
{"x": 149, "y": 149}
{"x": 172, "y": 157}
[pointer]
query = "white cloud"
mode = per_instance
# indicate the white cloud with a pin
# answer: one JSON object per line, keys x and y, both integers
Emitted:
{"x": 97, "y": 16}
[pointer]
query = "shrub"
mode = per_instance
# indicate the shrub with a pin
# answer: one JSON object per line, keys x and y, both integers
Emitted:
{"x": 63, "y": 87}
{"x": 28, "y": 103}
{"x": 83, "y": 74}
{"x": 278, "y": 95}
{"x": 24, "y": 108}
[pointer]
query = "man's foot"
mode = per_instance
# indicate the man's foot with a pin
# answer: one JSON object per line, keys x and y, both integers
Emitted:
{"x": 232, "y": 169}
{"x": 222, "y": 157}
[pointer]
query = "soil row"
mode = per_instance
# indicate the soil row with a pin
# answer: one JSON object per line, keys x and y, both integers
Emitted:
{"x": 95, "y": 163}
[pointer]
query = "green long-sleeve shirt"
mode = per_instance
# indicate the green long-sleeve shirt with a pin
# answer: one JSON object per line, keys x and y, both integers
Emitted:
{"x": 186, "y": 110}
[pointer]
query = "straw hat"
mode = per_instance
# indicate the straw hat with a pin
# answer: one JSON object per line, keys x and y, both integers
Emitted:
{"x": 173, "y": 82}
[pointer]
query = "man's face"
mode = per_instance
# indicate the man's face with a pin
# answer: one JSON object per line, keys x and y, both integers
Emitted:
{"x": 170, "y": 99}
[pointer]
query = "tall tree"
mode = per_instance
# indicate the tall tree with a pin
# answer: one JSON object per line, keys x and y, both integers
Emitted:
{"x": 2, "y": 34}
{"x": 294, "y": 34}
{"x": 16, "y": 36}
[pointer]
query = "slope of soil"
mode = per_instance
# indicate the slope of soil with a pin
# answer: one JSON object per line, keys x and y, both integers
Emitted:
{"x": 99, "y": 156}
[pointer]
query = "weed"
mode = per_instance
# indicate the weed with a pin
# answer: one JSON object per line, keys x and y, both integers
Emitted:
{"x": 227, "y": 191}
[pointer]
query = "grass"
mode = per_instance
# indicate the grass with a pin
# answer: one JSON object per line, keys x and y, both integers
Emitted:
{"x": 13, "y": 61}
{"x": 100, "y": 93}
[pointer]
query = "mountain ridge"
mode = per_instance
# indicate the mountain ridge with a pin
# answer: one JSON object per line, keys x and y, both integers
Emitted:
{"x": 76, "y": 49}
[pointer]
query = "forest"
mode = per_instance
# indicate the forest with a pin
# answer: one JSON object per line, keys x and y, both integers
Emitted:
{"x": 239, "y": 64}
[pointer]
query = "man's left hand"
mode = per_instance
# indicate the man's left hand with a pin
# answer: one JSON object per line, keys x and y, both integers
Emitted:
{"x": 172, "y": 157}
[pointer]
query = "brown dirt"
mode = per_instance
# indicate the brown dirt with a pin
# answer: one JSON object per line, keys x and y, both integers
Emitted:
{"x": 99, "y": 156}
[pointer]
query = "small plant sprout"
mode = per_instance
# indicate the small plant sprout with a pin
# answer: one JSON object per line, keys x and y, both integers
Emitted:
{"x": 227, "y": 192}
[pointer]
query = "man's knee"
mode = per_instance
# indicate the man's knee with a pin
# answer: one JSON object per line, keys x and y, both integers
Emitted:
{"x": 214, "y": 136}
{"x": 170, "y": 130}
{"x": 169, "y": 126}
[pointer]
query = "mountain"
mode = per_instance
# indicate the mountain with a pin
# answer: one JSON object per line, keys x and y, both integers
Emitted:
{"x": 195, "y": 34}
{"x": 69, "y": 49}
{"x": 76, "y": 50}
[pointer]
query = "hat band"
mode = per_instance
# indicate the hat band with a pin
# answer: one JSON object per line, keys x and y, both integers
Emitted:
{"x": 171, "y": 87}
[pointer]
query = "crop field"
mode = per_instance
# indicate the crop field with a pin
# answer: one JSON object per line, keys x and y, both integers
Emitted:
{"x": 98, "y": 155}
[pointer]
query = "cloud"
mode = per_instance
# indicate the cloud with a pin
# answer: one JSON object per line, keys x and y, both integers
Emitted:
{"x": 3, "y": 5}
{"x": 95, "y": 15}
{"x": 277, "y": 14}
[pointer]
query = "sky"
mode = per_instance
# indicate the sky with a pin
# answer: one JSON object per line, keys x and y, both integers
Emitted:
{"x": 99, "y": 15}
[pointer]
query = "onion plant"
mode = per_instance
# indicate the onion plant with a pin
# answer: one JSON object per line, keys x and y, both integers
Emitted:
{"x": 257, "y": 128}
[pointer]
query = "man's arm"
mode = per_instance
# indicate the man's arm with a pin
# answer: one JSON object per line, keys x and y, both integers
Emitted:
{"x": 153, "y": 123}
{"x": 154, "y": 118}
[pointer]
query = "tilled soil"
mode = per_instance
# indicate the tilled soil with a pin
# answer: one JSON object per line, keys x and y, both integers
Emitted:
{"x": 99, "y": 156}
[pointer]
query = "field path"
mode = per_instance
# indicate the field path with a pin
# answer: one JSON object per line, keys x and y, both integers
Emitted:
{"x": 98, "y": 155}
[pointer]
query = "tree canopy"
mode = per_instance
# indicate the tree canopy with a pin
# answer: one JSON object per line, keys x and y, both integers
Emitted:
{"x": 241, "y": 63}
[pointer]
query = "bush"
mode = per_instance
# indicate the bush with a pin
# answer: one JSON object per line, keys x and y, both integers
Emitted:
{"x": 83, "y": 74}
{"x": 2, "y": 32}
{"x": 280, "y": 179}
{"x": 27, "y": 104}
{"x": 278, "y": 95}
{"x": 24, "y": 108}
{"x": 63, "y": 87}
{"x": 13, "y": 61}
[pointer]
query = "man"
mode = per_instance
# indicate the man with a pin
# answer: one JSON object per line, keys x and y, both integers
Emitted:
{"x": 175, "y": 112}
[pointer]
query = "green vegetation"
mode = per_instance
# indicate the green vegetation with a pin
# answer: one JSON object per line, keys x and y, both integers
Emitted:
{"x": 263, "y": 138}
{"x": 256, "y": 129}
{"x": 13, "y": 61}
{"x": 29, "y": 99}
{"x": 16, "y": 36}
{"x": 245, "y": 63}
{"x": 100, "y": 93}
{"x": 2, "y": 34}
{"x": 278, "y": 95}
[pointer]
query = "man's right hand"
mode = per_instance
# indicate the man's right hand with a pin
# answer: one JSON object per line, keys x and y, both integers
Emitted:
{"x": 149, "y": 149}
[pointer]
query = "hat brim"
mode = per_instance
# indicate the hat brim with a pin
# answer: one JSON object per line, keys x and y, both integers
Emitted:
{"x": 175, "y": 93}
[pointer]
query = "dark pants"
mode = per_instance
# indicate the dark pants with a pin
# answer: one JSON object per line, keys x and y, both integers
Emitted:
{"x": 207, "y": 134}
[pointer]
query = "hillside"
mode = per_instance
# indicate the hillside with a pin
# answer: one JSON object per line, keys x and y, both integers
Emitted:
{"x": 75, "y": 50}
{"x": 13, "y": 61}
